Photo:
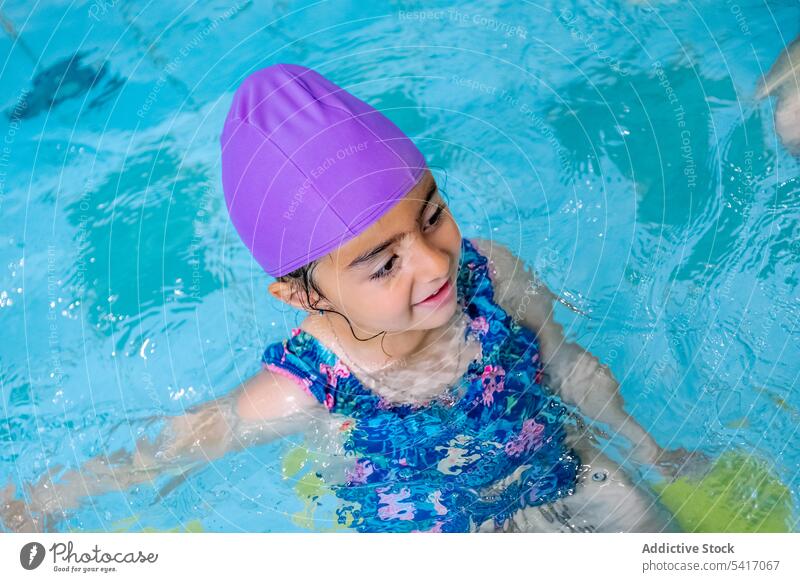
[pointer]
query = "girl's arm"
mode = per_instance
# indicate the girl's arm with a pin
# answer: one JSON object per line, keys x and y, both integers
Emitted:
{"x": 265, "y": 407}
{"x": 574, "y": 373}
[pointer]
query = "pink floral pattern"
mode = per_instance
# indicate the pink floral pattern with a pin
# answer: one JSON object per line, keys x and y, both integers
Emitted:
{"x": 333, "y": 373}
{"x": 360, "y": 472}
{"x": 479, "y": 326}
{"x": 493, "y": 378}
{"x": 392, "y": 506}
{"x": 530, "y": 437}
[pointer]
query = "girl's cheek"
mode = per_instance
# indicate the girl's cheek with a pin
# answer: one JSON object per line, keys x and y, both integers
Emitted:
{"x": 389, "y": 304}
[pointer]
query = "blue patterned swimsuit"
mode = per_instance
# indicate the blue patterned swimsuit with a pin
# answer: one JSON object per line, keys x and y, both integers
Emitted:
{"x": 429, "y": 467}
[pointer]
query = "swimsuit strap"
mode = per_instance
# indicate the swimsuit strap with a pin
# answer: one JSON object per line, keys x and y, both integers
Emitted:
{"x": 316, "y": 368}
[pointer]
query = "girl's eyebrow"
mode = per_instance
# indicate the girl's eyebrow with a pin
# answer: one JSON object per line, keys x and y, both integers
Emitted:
{"x": 368, "y": 255}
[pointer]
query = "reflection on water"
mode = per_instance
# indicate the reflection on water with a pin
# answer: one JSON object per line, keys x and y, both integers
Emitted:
{"x": 140, "y": 240}
{"x": 70, "y": 78}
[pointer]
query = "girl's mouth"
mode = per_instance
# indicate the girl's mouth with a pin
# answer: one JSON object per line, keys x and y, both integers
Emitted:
{"x": 444, "y": 293}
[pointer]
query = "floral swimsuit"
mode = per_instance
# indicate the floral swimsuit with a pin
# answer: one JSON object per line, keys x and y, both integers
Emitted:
{"x": 432, "y": 467}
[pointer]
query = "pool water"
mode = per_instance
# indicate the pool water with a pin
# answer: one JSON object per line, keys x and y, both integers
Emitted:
{"x": 616, "y": 146}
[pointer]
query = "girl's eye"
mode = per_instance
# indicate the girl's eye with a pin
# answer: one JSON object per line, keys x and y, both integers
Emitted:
{"x": 435, "y": 217}
{"x": 386, "y": 270}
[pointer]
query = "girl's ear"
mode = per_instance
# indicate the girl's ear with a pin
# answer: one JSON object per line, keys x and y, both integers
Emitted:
{"x": 291, "y": 295}
{"x": 286, "y": 292}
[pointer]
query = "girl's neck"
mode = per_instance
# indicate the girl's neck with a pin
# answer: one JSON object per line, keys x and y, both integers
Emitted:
{"x": 370, "y": 354}
{"x": 422, "y": 365}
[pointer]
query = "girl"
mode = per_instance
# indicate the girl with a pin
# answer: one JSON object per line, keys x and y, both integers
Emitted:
{"x": 423, "y": 358}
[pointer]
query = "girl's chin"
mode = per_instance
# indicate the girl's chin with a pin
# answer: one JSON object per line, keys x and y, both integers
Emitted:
{"x": 433, "y": 317}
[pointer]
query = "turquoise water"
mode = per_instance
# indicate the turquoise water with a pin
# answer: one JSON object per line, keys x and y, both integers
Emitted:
{"x": 616, "y": 145}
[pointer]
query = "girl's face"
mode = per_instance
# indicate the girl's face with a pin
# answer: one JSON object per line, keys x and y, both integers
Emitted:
{"x": 400, "y": 274}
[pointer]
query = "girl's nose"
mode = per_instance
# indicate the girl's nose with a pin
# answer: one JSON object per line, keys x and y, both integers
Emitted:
{"x": 432, "y": 263}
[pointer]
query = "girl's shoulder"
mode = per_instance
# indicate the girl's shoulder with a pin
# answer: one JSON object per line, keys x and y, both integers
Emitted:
{"x": 500, "y": 262}
{"x": 484, "y": 264}
{"x": 473, "y": 267}
{"x": 472, "y": 248}
{"x": 513, "y": 282}
{"x": 496, "y": 253}
{"x": 307, "y": 360}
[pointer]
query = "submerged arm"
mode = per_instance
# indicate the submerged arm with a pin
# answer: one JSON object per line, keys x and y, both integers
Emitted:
{"x": 575, "y": 374}
{"x": 264, "y": 408}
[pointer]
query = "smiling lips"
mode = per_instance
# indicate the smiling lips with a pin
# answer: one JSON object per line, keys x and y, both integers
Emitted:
{"x": 443, "y": 294}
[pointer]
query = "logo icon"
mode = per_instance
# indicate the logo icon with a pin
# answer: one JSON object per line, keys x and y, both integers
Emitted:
{"x": 31, "y": 555}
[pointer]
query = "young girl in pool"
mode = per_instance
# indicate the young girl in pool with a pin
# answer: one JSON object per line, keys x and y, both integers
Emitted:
{"x": 427, "y": 352}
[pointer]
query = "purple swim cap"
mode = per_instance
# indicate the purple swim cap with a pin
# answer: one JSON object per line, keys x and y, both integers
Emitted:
{"x": 306, "y": 166}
